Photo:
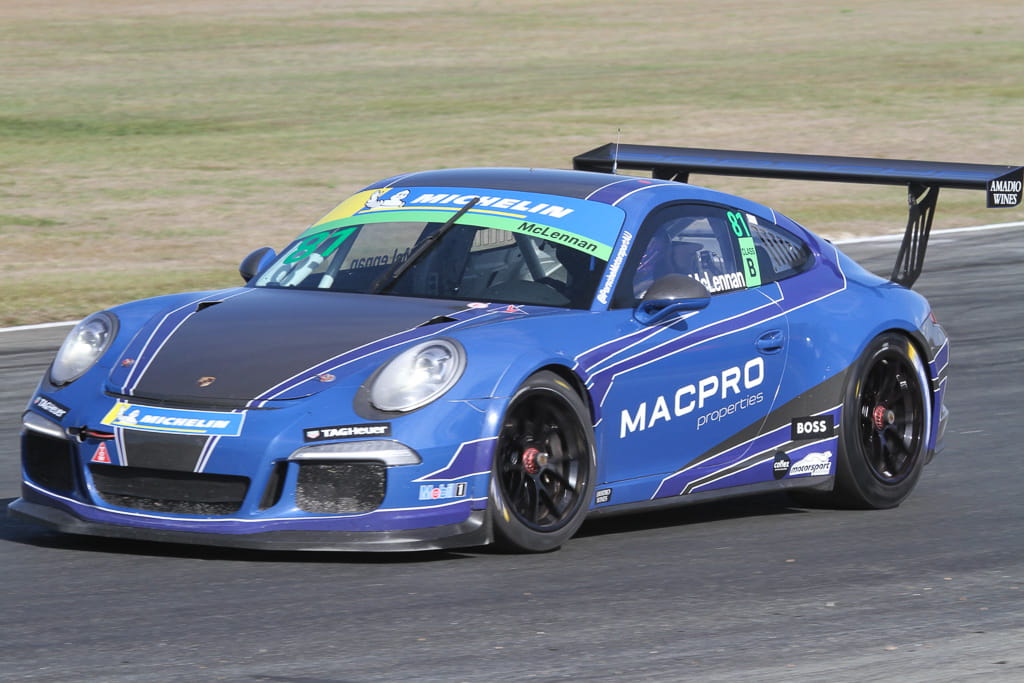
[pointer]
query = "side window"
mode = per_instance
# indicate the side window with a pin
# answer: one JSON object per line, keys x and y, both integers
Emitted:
{"x": 692, "y": 240}
{"x": 724, "y": 248}
{"x": 780, "y": 254}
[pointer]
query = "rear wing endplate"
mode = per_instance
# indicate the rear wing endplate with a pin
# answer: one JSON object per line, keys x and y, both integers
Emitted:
{"x": 1002, "y": 184}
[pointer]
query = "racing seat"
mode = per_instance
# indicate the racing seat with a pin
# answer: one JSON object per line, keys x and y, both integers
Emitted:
{"x": 580, "y": 272}
{"x": 764, "y": 263}
{"x": 686, "y": 258}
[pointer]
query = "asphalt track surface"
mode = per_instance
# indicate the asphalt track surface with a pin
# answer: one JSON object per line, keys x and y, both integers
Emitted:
{"x": 751, "y": 589}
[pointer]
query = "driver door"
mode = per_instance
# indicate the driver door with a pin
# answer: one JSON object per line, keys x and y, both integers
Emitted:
{"x": 692, "y": 393}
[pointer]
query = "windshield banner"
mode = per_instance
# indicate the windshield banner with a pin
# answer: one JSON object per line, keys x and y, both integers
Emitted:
{"x": 589, "y": 227}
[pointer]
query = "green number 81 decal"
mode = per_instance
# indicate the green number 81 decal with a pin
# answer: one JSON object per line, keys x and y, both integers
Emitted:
{"x": 310, "y": 244}
{"x": 748, "y": 252}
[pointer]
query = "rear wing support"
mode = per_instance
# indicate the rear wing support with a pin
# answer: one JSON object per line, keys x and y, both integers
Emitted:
{"x": 921, "y": 200}
{"x": 923, "y": 179}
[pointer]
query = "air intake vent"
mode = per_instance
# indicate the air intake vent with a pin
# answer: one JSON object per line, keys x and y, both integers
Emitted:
{"x": 438, "y": 320}
{"x": 48, "y": 462}
{"x": 189, "y": 493}
{"x": 336, "y": 487}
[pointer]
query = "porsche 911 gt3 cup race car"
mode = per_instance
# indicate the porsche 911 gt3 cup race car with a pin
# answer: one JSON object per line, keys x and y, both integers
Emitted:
{"x": 455, "y": 357}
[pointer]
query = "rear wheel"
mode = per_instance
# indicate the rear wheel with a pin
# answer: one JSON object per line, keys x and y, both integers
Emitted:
{"x": 886, "y": 417}
{"x": 544, "y": 465}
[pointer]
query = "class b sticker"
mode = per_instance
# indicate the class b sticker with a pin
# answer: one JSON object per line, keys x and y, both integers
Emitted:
{"x": 173, "y": 421}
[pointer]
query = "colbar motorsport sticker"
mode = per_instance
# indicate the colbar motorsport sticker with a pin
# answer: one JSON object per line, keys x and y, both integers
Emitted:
{"x": 781, "y": 465}
{"x": 812, "y": 464}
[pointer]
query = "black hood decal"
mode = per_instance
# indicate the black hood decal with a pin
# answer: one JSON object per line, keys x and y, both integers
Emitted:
{"x": 239, "y": 348}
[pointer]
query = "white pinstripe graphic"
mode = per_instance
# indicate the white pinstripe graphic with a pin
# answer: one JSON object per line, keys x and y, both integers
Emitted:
{"x": 428, "y": 477}
{"x": 129, "y": 387}
{"x": 759, "y": 457}
{"x": 643, "y": 334}
{"x": 741, "y": 445}
{"x": 630, "y": 194}
{"x": 204, "y": 455}
{"x": 430, "y": 331}
{"x": 697, "y": 343}
{"x": 630, "y": 179}
{"x": 246, "y": 520}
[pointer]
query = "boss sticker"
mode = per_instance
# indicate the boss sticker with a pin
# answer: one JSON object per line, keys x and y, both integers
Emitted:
{"x": 804, "y": 428}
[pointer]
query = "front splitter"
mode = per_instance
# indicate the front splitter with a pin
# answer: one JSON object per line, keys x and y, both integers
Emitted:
{"x": 474, "y": 531}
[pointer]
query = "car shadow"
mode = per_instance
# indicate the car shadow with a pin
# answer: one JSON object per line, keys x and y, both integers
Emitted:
{"x": 761, "y": 505}
{"x": 26, "y": 533}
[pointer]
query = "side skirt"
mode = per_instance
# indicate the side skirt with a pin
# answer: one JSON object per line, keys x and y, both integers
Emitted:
{"x": 822, "y": 483}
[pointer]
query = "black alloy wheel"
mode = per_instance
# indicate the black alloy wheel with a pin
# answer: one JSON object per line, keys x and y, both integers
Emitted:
{"x": 891, "y": 417}
{"x": 543, "y": 466}
{"x": 886, "y": 418}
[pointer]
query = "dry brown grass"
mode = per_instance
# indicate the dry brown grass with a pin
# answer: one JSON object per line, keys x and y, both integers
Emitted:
{"x": 148, "y": 146}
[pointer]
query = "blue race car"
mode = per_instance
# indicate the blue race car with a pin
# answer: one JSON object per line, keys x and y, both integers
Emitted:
{"x": 457, "y": 357}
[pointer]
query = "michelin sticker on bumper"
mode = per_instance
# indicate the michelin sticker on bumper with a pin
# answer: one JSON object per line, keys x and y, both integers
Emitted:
{"x": 172, "y": 421}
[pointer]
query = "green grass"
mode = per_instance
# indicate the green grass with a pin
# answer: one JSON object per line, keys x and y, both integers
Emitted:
{"x": 173, "y": 138}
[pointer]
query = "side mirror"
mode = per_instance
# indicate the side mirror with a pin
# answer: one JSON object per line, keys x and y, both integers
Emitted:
{"x": 670, "y": 295}
{"x": 253, "y": 264}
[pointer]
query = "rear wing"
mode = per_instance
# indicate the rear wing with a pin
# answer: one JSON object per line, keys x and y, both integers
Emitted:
{"x": 1002, "y": 184}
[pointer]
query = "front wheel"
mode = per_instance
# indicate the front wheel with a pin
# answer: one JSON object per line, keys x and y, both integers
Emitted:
{"x": 544, "y": 466}
{"x": 886, "y": 417}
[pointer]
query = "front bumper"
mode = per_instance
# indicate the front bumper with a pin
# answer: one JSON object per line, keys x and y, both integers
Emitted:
{"x": 265, "y": 489}
{"x": 473, "y": 531}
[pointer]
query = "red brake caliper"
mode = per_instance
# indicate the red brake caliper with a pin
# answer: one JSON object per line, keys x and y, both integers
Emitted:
{"x": 882, "y": 416}
{"x": 530, "y": 463}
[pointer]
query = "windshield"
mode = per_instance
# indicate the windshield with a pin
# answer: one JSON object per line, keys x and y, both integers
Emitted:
{"x": 467, "y": 262}
{"x": 455, "y": 243}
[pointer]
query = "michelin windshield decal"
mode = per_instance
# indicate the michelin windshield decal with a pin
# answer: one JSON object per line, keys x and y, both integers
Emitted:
{"x": 589, "y": 227}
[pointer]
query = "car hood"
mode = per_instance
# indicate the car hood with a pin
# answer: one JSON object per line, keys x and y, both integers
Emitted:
{"x": 260, "y": 344}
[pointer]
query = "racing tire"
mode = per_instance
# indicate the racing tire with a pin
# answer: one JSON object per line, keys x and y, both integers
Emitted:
{"x": 544, "y": 466}
{"x": 884, "y": 432}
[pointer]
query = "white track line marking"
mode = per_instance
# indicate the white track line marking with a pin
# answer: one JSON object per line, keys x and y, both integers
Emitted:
{"x": 852, "y": 240}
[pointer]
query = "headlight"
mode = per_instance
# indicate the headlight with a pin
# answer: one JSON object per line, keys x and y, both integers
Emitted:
{"x": 83, "y": 347}
{"x": 417, "y": 376}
